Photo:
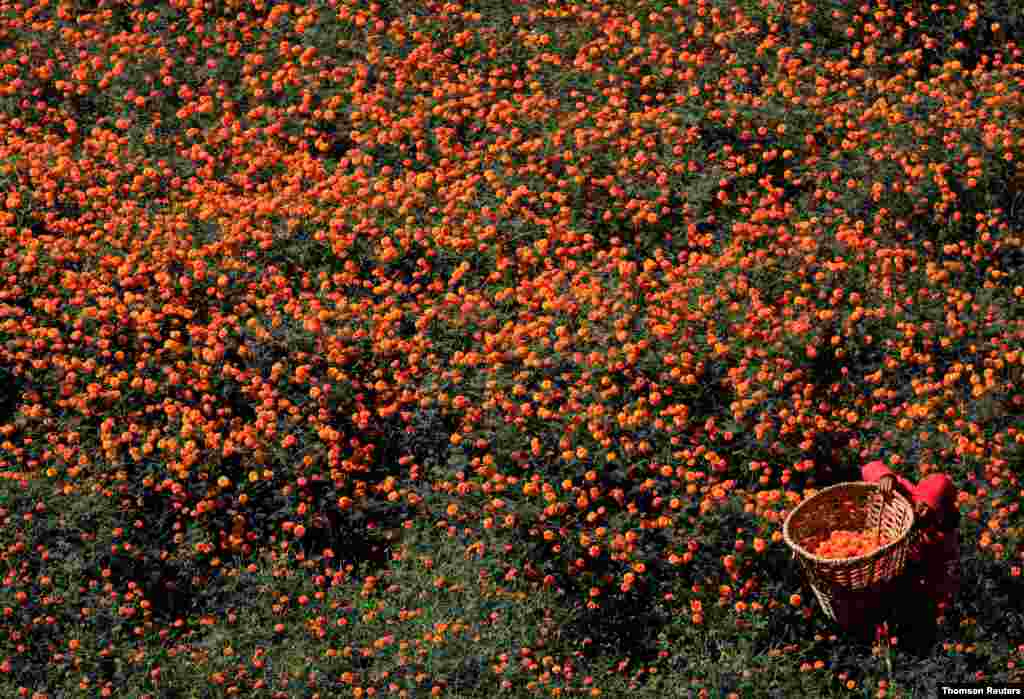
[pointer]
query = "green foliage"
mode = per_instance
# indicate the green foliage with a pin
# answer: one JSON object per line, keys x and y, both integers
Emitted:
{"x": 481, "y": 349}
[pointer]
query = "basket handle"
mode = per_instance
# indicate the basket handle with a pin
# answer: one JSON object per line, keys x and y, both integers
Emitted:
{"x": 886, "y": 485}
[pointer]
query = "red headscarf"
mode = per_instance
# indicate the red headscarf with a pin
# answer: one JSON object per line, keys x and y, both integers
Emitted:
{"x": 938, "y": 493}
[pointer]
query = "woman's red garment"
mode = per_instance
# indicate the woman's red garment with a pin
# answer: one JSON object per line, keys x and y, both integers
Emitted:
{"x": 874, "y": 471}
{"x": 937, "y": 491}
{"x": 935, "y": 570}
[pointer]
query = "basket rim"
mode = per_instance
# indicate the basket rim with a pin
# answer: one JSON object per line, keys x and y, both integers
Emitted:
{"x": 801, "y": 551}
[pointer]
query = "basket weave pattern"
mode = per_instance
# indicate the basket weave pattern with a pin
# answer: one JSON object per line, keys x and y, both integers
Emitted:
{"x": 847, "y": 587}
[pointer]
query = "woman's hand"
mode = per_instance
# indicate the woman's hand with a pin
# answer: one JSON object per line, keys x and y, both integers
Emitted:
{"x": 886, "y": 484}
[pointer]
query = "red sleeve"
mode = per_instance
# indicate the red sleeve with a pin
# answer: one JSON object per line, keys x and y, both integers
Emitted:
{"x": 908, "y": 486}
{"x": 873, "y": 472}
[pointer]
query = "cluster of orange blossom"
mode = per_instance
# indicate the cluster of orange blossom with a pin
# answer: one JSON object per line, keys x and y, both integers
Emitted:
{"x": 844, "y": 543}
{"x": 567, "y": 282}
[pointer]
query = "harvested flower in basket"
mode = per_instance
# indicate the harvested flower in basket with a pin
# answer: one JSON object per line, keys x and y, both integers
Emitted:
{"x": 845, "y": 543}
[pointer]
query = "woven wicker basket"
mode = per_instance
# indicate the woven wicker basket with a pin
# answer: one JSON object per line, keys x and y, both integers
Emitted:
{"x": 851, "y": 590}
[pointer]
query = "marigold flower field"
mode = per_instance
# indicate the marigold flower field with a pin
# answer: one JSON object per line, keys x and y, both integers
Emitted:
{"x": 466, "y": 349}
